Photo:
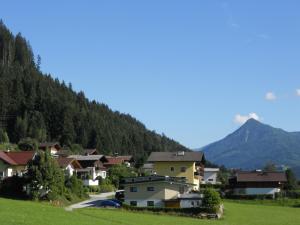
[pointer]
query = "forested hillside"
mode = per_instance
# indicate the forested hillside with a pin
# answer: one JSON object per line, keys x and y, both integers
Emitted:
{"x": 33, "y": 104}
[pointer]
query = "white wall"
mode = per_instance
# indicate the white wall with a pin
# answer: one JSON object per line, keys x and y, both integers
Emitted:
{"x": 70, "y": 170}
{"x": 210, "y": 175}
{"x": 190, "y": 203}
{"x": 262, "y": 191}
{"x": 256, "y": 191}
{"x": 90, "y": 182}
{"x": 99, "y": 173}
{"x": 9, "y": 172}
{"x": 143, "y": 203}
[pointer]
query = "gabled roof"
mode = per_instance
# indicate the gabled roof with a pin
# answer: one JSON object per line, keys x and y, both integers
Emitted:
{"x": 7, "y": 159}
{"x": 63, "y": 162}
{"x": 116, "y": 160}
{"x": 17, "y": 158}
{"x": 49, "y": 144}
{"x": 176, "y": 157}
{"x": 243, "y": 176}
{"x": 90, "y": 152}
{"x": 88, "y": 157}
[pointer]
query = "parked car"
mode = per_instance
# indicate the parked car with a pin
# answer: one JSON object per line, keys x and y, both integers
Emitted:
{"x": 119, "y": 195}
{"x": 109, "y": 203}
{"x": 116, "y": 201}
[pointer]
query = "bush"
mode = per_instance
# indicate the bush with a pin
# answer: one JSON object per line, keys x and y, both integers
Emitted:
{"x": 75, "y": 186}
{"x": 248, "y": 197}
{"x": 106, "y": 188}
{"x": 211, "y": 200}
{"x": 177, "y": 211}
{"x": 94, "y": 189}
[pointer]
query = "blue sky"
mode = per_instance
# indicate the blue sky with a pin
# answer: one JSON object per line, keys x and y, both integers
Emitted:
{"x": 194, "y": 70}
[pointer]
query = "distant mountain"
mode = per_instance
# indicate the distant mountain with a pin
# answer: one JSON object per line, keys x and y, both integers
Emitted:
{"x": 253, "y": 145}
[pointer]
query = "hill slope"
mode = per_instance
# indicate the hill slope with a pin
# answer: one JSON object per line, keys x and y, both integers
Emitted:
{"x": 253, "y": 145}
{"x": 35, "y": 105}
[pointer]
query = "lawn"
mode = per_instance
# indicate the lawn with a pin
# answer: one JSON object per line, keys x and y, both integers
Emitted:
{"x": 30, "y": 213}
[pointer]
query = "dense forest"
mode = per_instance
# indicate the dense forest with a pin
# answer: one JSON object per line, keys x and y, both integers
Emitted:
{"x": 33, "y": 104}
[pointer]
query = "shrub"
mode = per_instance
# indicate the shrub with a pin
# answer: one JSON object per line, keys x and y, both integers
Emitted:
{"x": 211, "y": 200}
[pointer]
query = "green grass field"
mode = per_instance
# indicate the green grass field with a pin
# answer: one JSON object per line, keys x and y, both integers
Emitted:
{"x": 30, "y": 213}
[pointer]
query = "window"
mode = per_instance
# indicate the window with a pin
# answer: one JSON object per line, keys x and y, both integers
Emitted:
{"x": 150, "y": 188}
{"x": 172, "y": 169}
{"x": 192, "y": 203}
{"x": 210, "y": 179}
{"x": 183, "y": 169}
{"x": 133, "y": 189}
{"x": 133, "y": 203}
{"x": 150, "y": 203}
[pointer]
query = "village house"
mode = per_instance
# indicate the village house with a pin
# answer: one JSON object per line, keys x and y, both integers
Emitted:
{"x": 119, "y": 160}
{"x": 14, "y": 163}
{"x": 69, "y": 165}
{"x": 257, "y": 183}
{"x": 159, "y": 191}
{"x": 90, "y": 152}
{"x": 210, "y": 176}
{"x": 179, "y": 164}
{"x": 53, "y": 147}
{"x": 92, "y": 168}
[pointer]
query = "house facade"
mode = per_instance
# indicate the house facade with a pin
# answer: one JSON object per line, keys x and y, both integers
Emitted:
{"x": 69, "y": 165}
{"x": 14, "y": 163}
{"x": 92, "y": 168}
{"x": 119, "y": 160}
{"x": 53, "y": 147}
{"x": 257, "y": 183}
{"x": 159, "y": 191}
{"x": 189, "y": 165}
{"x": 210, "y": 176}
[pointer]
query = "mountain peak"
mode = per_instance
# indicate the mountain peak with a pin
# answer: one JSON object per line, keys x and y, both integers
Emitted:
{"x": 253, "y": 145}
{"x": 252, "y": 121}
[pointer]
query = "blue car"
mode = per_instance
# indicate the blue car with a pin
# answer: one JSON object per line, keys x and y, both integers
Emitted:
{"x": 109, "y": 203}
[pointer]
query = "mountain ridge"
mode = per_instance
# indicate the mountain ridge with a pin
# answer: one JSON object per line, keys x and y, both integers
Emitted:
{"x": 253, "y": 145}
{"x": 35, "y": 105}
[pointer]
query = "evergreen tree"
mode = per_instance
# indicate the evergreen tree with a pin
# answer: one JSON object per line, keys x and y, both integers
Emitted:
{"x": 46, "y": 178}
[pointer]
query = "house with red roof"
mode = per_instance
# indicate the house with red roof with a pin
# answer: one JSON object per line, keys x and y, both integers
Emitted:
{"x": 14, "y": 163}
{"x": 119, "y": 160}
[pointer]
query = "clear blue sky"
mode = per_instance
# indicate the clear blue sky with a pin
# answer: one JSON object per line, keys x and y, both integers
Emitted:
{"x": 185, "y": 68}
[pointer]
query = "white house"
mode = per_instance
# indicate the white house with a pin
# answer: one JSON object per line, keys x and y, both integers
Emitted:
{"x": 69, "y": 165}
{"x": 92, "y": 168}
{"x": 210, "y": 175}
{"x": 257, "y": 183}
{"x": 160, "y": 191}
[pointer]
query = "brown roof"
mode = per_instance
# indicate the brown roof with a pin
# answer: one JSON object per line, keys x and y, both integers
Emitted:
{"x": 115, "y": 160}
{"x": 49, "y": 144}
{"x": 261, "y": 177}
{"x": 176, "y": 157}
{"x": 17, "y": 158}
{"x": 90, "y": 152}
{"x": 63, "y": 162}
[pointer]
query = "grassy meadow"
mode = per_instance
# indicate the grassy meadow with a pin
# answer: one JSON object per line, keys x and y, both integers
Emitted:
{"x": 30, "y": 213}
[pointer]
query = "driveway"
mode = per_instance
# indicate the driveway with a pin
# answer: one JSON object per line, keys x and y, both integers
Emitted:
{"x": 94, "y": 201}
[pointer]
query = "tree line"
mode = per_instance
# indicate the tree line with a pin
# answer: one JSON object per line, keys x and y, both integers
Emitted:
{"x": 36, "y": 105}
